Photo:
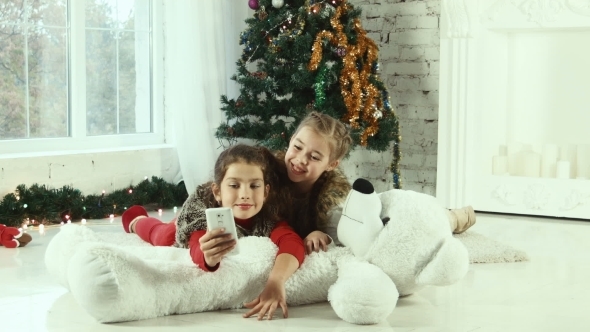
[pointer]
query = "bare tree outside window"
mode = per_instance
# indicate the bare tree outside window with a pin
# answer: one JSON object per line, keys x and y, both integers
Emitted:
{"x": 33, "y": 69}
{"x": 35, "y": 53}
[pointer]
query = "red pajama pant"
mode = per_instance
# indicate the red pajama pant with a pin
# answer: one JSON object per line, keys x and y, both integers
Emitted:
{"x": 156, "y": 232}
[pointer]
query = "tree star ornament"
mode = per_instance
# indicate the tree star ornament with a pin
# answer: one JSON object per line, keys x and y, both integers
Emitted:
{"x": 278, "y": 3}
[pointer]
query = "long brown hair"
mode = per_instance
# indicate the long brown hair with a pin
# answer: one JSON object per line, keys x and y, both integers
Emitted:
{"x": 257, "y": 156}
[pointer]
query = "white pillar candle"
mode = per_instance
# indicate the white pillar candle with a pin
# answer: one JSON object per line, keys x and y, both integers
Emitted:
{"x": 531, "y": 164}
{"x": 513, "y": 150}
{"x": 568, "y": 152}
{"x": 527, "y": 147}
{"x": 503, "y": 150}
{"x": 583, "y": 161}
{"x": 499, "y": 165}
{"x": 549, "y": 160}
{"x": 563, "y": 169}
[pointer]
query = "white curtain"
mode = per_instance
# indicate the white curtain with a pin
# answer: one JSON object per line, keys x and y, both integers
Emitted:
{"x": 201, "y": 48}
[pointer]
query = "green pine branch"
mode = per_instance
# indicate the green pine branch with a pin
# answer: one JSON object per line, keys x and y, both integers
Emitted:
{"x": 51, "y": 205}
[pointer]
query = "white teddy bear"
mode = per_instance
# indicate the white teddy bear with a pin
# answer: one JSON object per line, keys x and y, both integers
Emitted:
{"x": 362, "y": 281}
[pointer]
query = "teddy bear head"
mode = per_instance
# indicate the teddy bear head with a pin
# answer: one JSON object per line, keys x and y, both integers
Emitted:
{"x": 415, "y": 248}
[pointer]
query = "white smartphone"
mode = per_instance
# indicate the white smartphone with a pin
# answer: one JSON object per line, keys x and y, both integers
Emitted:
{"x": 223, "y": 218}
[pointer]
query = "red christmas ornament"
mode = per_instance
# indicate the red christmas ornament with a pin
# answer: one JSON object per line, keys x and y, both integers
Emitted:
{"x": 316, "y": 8}
{"x": 268, "y": 39}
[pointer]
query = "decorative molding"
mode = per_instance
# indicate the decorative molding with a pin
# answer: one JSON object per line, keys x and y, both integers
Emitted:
{"x": 459, "y": 25}
{"x": 506, "y": 195}
{"x": 494, "y": 10}
{"x": 541, "y": 11}
{"x": 574, "y": 199}
{"x": 536, "y": 197}
{"x": 581, "y": 7}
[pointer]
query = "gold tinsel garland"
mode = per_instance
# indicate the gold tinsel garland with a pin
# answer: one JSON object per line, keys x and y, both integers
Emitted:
{"x": 354, "y": 83}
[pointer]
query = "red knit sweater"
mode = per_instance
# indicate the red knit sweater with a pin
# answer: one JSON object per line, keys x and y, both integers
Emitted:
{"x": 282, "y": 235}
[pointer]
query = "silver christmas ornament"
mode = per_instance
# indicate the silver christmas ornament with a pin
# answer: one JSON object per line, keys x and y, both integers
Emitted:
{"x": 278, "y": 3}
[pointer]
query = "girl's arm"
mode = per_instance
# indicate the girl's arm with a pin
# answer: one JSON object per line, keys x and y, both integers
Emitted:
{"x": 289, "y": 257}
{"x": 208, "y": 248}
{"x": 326, "y": 234}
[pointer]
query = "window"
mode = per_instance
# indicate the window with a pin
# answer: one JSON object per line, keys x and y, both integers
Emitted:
{"x": 78, "y": 74}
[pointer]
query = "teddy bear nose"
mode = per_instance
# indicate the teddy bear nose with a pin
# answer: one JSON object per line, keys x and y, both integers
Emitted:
{"x": 363, "y": 186}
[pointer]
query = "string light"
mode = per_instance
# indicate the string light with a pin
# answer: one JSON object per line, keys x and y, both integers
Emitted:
{"x": 160, "y": 212}
{"x": 175, "y": 209}
{"x": 83, "y": 221}
{"x": 96, "y": 209}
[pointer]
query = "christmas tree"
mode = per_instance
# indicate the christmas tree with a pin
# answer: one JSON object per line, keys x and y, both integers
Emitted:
{"x": 300, "y": 55}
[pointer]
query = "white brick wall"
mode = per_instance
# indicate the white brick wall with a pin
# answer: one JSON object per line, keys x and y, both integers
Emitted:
{"x": 89, "y": 172}
{"x": 407, "y": 33}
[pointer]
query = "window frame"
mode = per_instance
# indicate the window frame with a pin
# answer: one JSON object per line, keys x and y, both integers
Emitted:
{"x": 78, "y": 141}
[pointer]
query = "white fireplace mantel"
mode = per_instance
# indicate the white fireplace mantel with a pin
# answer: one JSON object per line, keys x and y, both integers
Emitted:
{"x": 514, "y": 108}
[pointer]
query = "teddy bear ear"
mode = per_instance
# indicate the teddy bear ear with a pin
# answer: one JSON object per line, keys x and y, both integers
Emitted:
{"x": 448, "y": 265}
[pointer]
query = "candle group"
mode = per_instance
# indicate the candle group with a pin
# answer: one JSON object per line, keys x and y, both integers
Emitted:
{"x": 549, "y": 161}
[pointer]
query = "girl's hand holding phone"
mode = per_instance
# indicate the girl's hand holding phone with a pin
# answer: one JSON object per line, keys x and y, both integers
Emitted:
{"x": 215, "y": 245}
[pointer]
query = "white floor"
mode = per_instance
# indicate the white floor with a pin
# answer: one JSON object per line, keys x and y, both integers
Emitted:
{"x": 549, "y": 293}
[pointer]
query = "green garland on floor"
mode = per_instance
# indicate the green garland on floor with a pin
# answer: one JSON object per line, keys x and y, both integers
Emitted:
{"x": 44, "y": 205}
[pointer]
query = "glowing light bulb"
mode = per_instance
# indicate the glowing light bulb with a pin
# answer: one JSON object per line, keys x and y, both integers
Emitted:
{"x": 103, "y": 191}
{"x": 67, "y": 216}
{"x": 159, "y": 212}
{"x": 112, "y": 216}
{"x": 41, "y": 229}
{"x": 83, "y": 221}
{"x": 61, "y": 223}
{"x": 130, "y": 191}
{"x": 25, "y": 205}
{"x": 175, "y": 209}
